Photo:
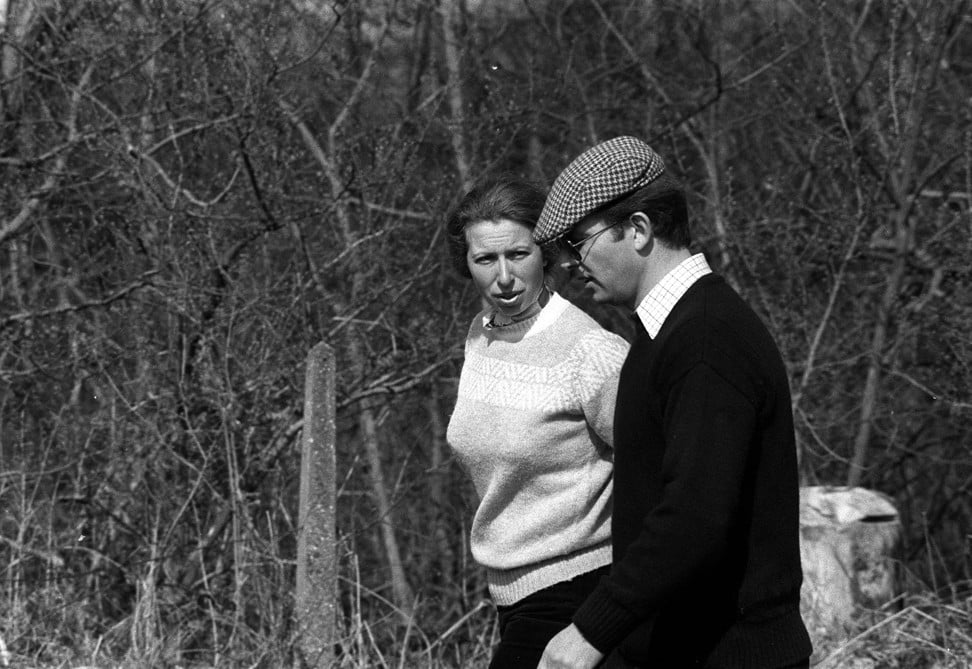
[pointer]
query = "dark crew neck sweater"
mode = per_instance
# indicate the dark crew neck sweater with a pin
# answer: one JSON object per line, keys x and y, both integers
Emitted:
{"x": 705, "y": 527}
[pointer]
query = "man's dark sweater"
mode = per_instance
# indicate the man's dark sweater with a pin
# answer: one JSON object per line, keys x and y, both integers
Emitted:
{"x": 705, "y": 528}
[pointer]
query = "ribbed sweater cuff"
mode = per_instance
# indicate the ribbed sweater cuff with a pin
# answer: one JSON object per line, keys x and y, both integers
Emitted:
{"x": 602, "y": 621}
{"x": 508, "y": 586}
{"x": 775, "y": 642}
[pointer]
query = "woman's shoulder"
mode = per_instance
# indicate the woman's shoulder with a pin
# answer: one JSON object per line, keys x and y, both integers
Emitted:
{"x": 585, "y": 332}
{"x": 593, "y": 352}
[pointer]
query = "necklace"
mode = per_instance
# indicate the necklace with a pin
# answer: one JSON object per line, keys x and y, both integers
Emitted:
{"x": 526, "y": 315}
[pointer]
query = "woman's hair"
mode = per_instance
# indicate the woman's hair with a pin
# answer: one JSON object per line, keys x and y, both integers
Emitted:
{"x": 491, "y": 200}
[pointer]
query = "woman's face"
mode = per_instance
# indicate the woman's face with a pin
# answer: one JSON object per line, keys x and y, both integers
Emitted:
{"x": 506, "y": 266}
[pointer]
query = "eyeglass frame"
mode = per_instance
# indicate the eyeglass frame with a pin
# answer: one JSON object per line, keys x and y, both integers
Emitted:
{"x": 574, "y": 248}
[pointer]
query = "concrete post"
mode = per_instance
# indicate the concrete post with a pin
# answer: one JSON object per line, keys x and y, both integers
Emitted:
{"x": 316, "y": 601}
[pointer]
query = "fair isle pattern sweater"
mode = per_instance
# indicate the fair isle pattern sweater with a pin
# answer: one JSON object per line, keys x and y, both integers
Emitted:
{"x": 533, "y": 427}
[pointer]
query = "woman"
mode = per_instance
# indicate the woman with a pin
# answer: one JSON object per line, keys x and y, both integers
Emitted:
{"x": 532, "y": 423}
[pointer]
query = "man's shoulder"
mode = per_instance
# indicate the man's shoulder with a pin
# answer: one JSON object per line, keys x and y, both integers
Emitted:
{"x": 717, "y": 328}
{"x": 711, "y": 291}
{"x": 712, "y": 321}
{"x": 712, "y": 306}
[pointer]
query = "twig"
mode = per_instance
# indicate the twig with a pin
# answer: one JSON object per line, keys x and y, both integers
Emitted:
{"x": 117, "y": 295}
{"x": 47, "y": 556}
{"x": 177, "y": 190}
{"x": 393, "y": 387}
{"x": 359, "y": 86}
{"x": 382, "y": 209}
{"x": 4, "y": 654}
{"x": 825, "y": 318}
{"x": 845, "y": 647}
{"x": 18, "y": 222}
{"x": 459, "y": 623}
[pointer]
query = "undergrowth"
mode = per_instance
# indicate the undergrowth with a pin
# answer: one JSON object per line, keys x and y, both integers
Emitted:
{"x": 46, "y": 630}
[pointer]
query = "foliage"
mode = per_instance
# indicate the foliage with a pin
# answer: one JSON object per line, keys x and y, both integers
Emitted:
{"x": 195, "y": 192}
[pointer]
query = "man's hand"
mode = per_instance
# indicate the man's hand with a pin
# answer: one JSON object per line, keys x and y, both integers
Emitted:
{"x": 569, "y": 650}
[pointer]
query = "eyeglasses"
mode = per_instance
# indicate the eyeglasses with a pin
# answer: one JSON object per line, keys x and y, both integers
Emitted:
{"x": 574, "y": 248}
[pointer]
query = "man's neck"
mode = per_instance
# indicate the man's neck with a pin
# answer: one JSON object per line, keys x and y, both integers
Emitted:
{"x": 661, "y": 261}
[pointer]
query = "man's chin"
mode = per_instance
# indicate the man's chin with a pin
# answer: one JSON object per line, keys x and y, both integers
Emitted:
{"x": 596, "y": 292}
{"x": 592, "y": 290}
{"x": 601, "y": 296}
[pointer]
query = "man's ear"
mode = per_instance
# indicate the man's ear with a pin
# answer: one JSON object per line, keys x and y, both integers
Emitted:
{"x": 557, "y": 267}
{"x": 643, "y": 234}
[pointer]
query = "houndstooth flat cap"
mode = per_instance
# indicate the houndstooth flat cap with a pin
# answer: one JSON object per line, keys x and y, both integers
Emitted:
{"x": 598, "y": 176}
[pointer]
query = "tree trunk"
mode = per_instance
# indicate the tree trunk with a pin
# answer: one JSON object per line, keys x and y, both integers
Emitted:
{"x": 911, "y": 97}
{"x": 437, "y": 491}
{"x": 847, "y": 541}
{"x": 16, "y": 19}
{"x": 872, "y": 383}
{"x": 457, "y": 102}
{"x": 401, "y": 591}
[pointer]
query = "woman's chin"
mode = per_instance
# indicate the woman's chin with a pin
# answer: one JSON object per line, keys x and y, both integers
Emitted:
{"x": 510, "y": 309}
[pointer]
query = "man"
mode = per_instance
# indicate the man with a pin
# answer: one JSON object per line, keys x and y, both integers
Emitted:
{"x": 706, "y": 566}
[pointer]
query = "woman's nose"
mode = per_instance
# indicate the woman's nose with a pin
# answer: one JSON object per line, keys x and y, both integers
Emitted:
{"x": 504, "y": 276}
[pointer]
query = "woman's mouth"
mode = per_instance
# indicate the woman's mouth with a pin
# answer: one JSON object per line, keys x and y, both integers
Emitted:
{"x": 507, "y": 298}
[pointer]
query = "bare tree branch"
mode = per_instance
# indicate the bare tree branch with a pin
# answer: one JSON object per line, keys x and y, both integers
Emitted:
{"x": 16, "y": 225}
{"x": 142, "y": 281}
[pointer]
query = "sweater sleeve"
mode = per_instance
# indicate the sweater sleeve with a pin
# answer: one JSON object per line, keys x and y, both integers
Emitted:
{"x": 597, "y": 360}
{"x": 708, "y": 423}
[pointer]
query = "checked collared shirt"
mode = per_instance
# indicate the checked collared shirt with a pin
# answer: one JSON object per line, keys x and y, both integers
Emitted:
{"x": 661, "y": 299}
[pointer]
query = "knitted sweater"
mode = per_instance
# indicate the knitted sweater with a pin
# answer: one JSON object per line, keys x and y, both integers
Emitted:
{"x": 533, "y": 427}
{"x": 707, "y": 561}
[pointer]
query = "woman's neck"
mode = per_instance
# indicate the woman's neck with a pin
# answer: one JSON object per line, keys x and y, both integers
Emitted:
{"x": 499, "y": 319}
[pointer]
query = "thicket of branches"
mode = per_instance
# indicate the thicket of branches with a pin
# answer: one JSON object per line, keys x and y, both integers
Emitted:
{"x": 195, "y": 192}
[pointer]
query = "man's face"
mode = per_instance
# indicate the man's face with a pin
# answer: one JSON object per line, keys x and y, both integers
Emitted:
{"x": 601, "y": 257}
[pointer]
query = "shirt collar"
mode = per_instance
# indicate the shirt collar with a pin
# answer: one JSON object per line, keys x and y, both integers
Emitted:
{"x": 661, "y": 299}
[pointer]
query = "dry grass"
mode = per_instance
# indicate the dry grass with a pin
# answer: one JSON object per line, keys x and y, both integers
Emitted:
{"x": 925, "y": 632}
{"x": 52, "y": 613}
{"x": 52, "y": 627}
{"x": 919, "y": 631}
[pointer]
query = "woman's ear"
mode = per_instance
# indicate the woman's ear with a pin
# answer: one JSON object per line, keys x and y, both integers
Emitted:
{"x": 643, "y": 233}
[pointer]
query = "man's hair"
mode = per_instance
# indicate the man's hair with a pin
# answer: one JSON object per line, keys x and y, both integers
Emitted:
{"x": 498, "y": 198}
{"x": 662, "y": 201}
